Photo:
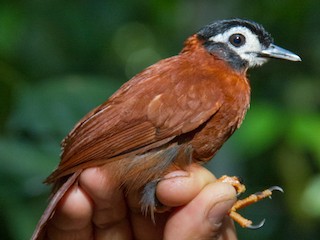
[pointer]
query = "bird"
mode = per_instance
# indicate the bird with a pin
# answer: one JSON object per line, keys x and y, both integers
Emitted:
{"x": 177, "y": 111}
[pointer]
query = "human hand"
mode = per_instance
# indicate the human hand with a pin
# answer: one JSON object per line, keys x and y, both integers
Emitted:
{"x": 97, "y": 209}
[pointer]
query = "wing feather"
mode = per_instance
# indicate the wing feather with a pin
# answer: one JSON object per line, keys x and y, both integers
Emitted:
{"x": 148, "y": 111}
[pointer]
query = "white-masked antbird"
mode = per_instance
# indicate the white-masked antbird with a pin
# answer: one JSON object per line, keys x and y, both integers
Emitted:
{"x": 177, "y": 111}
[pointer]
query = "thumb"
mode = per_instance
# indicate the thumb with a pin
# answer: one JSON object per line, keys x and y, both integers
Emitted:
{"x": 205, "y": 216}
{"x": 220, "y": 204}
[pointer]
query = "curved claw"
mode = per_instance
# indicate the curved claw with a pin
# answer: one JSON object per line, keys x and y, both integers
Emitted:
{"x": 276, "y": 188}
{"x": 257, "y": 226}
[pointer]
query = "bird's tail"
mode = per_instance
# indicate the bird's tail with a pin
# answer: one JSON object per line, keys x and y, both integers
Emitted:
{"x": 39, "y": 232}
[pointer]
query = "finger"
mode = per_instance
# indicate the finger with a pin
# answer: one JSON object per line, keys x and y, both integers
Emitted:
{"x": 110, "y": 210}
{"x": 180, "y": 187}
{"x": 205, "y": 216}
{"x": 177, "y": 188}
{"x": 227, "y": 230}
{"x": 72, "y": 219}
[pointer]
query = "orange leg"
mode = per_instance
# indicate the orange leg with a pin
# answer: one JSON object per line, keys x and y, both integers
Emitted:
{"x": 241, "y": 203}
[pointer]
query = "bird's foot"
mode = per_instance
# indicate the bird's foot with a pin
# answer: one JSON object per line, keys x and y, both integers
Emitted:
{"x": 242, "y": 203}
{"x": 235, "y": 182}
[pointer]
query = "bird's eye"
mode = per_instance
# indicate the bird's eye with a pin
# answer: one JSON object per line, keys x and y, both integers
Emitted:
{"x": 237, "y": 40}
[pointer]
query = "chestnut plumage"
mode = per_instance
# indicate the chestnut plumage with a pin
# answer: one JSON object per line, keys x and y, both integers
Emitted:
{"x": 177, "y": 111}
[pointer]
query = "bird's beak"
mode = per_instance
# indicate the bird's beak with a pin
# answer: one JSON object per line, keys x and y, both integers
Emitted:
{"x": 274, "y": 51}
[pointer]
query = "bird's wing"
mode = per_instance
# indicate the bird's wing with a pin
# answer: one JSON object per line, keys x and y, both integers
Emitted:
{"x": 146, "y": 112}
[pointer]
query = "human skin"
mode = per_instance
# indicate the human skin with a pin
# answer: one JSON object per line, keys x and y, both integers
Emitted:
{"x": 96, "y": 207}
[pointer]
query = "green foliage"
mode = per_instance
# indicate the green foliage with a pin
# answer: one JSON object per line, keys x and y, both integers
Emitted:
{"x": 59, "y": 59}
{"x": 311, "y": 197}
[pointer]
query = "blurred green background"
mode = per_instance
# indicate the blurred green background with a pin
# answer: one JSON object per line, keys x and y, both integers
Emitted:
{"x": 59, "y": 59}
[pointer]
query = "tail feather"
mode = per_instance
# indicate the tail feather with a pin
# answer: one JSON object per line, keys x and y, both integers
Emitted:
{"x": 39, "y": 232}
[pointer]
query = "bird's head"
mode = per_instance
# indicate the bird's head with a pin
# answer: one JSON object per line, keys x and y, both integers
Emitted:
{"x": 242, "y": 43}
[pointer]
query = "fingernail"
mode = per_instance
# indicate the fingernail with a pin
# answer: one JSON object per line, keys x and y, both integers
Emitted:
{"x": 219, "y": 211}
{"x": 178, "y": 173}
